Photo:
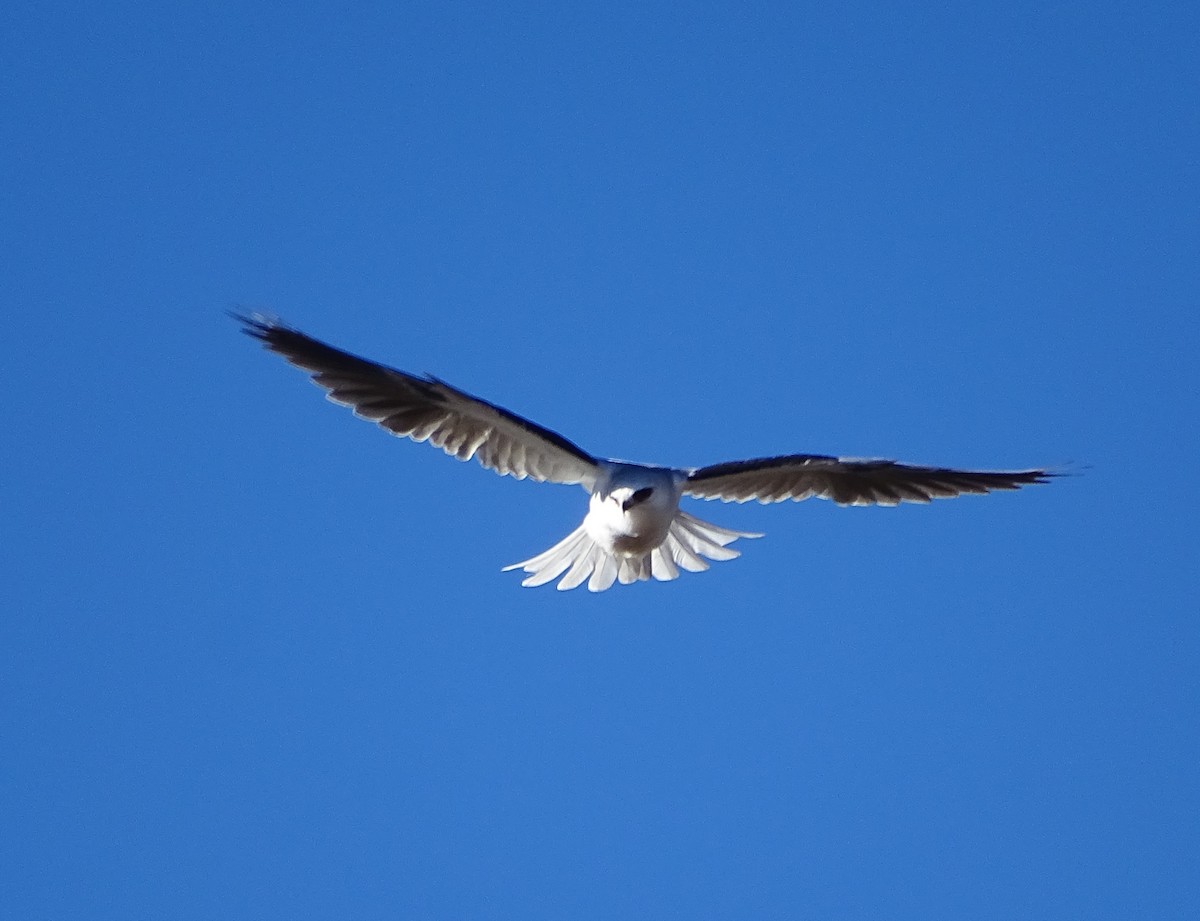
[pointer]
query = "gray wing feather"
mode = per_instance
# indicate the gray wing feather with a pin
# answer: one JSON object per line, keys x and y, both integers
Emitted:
{"x": 427, "y": 409}
{"x": 846, "y": 481}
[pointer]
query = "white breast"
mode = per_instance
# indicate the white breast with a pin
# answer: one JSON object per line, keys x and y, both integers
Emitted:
{"x": 640, "y": 528}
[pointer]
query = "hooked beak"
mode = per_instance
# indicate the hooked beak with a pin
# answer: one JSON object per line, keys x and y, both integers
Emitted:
{"x": 636, "y": 498}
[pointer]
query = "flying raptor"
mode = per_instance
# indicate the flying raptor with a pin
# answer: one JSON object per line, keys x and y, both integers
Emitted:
{"x": 634, "y": 527}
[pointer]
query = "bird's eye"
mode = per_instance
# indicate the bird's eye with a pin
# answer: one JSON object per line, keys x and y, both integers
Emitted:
{"x": 642, "y": 494}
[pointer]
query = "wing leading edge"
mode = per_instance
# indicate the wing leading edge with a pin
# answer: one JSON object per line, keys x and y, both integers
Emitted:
{"x": 427, "y": 409}
{"x": 846, "y": 481}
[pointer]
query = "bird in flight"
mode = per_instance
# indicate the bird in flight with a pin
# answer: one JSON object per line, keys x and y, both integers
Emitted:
{"x": 634, "y": 527}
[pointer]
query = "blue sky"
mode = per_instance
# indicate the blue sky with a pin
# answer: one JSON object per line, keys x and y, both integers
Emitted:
{"x": 258, "y": 659}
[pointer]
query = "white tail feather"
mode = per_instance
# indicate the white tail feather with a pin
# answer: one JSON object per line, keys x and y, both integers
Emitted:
{"x": 713, "y": 533}
{"x": 683, "y": 554}
{"x": 605, "y": 573}
{"x": 547, "y": 566}
{"x": 688, "y": 541}
{"x": 661, "y": 565}
{"x": 582, "y": 568}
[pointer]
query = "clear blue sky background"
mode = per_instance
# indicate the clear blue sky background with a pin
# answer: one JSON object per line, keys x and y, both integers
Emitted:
{"x": 258, "y": 659}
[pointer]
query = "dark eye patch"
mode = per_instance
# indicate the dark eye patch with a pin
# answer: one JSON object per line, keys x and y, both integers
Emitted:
{"x": 642, "y": 494}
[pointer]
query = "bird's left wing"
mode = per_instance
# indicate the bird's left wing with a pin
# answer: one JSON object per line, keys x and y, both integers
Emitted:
{"x": 847, "y": 481}
{"x": 427, "y": 409}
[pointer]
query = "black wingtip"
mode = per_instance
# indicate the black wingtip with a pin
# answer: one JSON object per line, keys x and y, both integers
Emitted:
{"x": 1015, "y": 479}
{"x": 1046, "y": 475}
{"x": 257, "y": 324}
{"x": 1068, "y": 469}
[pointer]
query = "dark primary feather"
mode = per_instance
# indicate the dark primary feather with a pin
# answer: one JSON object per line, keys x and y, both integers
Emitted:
{"x": 847, "y": 481}
{"x": 427, "y": 409}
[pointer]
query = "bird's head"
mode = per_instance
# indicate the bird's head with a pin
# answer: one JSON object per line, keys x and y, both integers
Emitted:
{"x": 628, "y": 498}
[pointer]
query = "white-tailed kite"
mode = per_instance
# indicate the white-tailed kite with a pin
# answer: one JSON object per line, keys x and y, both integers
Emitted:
{"x": 634, "y": 528}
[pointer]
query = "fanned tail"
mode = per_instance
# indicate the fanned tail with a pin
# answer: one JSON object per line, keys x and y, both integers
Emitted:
{"x": 581, "y": 558}
{"x": 547, "y": 566}
{"x": 688, "y": 542}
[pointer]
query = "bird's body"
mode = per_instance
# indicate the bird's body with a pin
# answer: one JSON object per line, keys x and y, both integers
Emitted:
{"x": 634, "y": 528}
{"x": 632, "y": 507}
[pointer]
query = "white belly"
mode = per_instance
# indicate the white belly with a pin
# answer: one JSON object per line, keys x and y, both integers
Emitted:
{"x": 627, "y": 533}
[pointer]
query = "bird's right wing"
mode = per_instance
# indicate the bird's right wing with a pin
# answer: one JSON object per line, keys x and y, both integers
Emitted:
{"x": 845, "y": 480}
{"x": 427, "y": 409}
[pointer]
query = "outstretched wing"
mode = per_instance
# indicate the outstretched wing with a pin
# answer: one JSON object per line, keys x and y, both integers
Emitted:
{"x": 845, "y": 480}
{"x": 426, "y": 409}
